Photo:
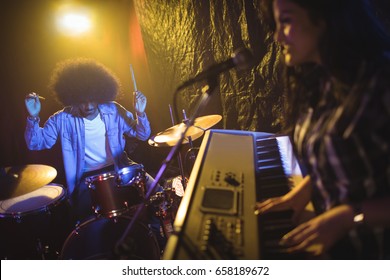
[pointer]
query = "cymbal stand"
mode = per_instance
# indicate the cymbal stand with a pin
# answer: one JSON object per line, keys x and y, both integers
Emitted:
{"x": 190, "y": 152}
{"x": 186, "y": 122}
{"x": 179, "y": 159}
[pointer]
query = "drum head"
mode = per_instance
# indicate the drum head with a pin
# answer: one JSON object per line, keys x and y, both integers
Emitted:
{"x": 130, "y": 174}
{"x": 31, "y": 202}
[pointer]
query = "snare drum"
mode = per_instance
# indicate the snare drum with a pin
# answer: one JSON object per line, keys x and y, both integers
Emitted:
{"x": 114, "y": 193}
{"x": 97, "y": 238}
{"x": 34, "y": 225}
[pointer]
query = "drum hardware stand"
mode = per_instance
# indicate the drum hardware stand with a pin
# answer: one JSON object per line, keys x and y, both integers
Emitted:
{"x": 40, "y": 249}
{"x": 167, "y": 227}
{"x": 157, "y": 200}
{"x": 186, "y": 122}
{"x": 44, "y": 250}
{"x": 179, "y": 159}
{"x": 190, "y": 152}
{"x": 122, "y": 248}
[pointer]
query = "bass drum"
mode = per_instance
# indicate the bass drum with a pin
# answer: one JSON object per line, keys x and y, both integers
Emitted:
{"x": 96, "y": 239}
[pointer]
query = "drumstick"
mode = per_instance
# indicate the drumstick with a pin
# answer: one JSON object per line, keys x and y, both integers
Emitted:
{"x": 135, "y": 90}
{"x": 133, "y": 77}
{"x": 171, "y": 113}
{"x": 34, "y": 95}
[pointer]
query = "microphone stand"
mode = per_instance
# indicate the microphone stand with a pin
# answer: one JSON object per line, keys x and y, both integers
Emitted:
{"x": 122, "y": 248}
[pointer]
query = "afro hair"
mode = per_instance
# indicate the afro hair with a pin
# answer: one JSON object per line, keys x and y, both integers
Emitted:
{"x": 79, "y": 80}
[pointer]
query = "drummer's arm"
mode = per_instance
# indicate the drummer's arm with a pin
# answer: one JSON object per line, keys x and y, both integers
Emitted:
{"x": 142, "y": 128}
{"x": 39, "y": 138}
{"x": 139, "y": 129}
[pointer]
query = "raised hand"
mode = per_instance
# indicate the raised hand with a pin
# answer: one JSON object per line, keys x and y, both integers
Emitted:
{"x": 33, "y": 104}
{"x": 139, "y": 102}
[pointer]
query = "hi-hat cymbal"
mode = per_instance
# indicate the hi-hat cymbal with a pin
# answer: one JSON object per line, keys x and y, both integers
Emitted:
{"x": 170, "y": 136}
{"x": 19, "y": 180}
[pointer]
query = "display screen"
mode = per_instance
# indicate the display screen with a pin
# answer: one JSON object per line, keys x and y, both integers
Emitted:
{"x": 220, "y": 199}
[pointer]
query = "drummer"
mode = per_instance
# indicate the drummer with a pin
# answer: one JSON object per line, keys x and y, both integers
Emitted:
{"x": 90, "y": 127}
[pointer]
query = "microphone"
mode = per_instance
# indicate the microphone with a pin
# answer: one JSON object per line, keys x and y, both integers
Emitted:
{"x": 242, "y": 58}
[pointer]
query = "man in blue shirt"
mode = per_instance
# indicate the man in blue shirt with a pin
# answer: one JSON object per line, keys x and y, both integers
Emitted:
{"x": 91, "y": 127}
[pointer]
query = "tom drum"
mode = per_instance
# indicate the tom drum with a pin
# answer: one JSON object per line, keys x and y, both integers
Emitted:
{"x": 34, "y": 225}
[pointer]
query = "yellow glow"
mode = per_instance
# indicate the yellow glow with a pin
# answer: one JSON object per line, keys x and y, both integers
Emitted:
{"x": 73, "y": 20}
{"x": 75, "y": 23}
{"x": 358, "y": 218}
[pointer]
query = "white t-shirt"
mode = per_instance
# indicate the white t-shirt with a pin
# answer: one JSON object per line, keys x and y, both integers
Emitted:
{"x": 97, "y": 151}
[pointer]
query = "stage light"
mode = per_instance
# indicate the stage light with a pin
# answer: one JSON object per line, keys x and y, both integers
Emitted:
{"x": 75, "y": 24}
{"x": 74, "y": 21}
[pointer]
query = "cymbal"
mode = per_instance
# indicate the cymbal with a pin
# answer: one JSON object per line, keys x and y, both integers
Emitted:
{"x": 170, "y": 136}
{"x": 206, "y": 122}
{"x": 170, "y": 142}
{"x": 19, "y": 180}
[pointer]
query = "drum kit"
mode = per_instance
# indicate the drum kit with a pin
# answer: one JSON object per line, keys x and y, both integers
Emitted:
{"x": 33, "y": 209}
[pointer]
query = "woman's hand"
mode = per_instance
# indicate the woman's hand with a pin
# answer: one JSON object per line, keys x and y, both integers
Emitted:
{"x": 319, "y": 234}
{"x": 296, "y": 199}
{"x": 279, "y": 203}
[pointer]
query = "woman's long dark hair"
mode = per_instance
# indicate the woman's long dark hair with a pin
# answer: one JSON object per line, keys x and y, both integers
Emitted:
{"x": 353, "y": 36}
{"x": 79, "y": 80}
